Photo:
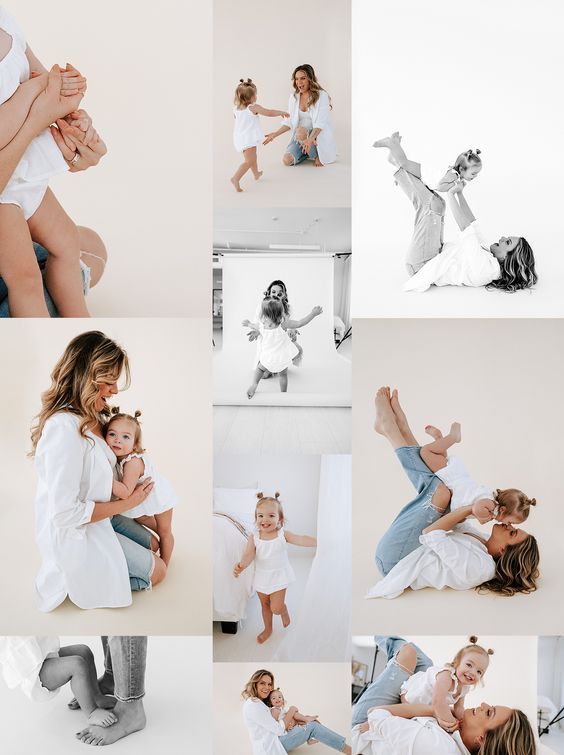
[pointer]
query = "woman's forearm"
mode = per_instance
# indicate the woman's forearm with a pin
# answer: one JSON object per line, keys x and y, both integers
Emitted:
{"x": 281, "y": 130}
{"x": 110, "y": 508}
{"x": 448, "y": 521}
{"x": 460, "y": 210}
{"x": 406, "y": 710}
{"x": 465, "y": 207}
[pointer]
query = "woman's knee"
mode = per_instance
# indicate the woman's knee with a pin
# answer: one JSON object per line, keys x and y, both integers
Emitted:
{"x": 407, "y": 657}
{"x": 159, "y": 572}
{"x": 288, "y": 159}
{"x": 441, "y": 498}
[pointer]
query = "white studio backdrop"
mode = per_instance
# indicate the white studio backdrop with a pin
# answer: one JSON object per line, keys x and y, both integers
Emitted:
{"x": 321, "y": 631}
{"x": 324, "y": 378}
{"x": 453, "y": 76}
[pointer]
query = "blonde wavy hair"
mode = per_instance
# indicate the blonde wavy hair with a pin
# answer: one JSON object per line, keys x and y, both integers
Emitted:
{"x": 516, "y": 570}
{"x": 250, "y": 690}
{"x": 314, "y": 86}
{"x": 515, "y": 737}
{"x": 90, "y": 359}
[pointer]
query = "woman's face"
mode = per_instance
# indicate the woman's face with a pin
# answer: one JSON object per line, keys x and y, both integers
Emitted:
{"x": 277, "y": 292}
{"x": 504, "y": 535}
{"x": 264, "y": 686}
{"x": 501, "y": 248}
{"x": 478, "y": 721}
{"x": 301, "y": 81}
{"x": 106, "y": 389}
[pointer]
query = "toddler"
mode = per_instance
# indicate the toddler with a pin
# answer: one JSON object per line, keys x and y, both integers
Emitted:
{"x": 279, "y": 708}
{"x": 247, "y": 133}
{"x": 509, "y": 506}
{"x": 29, "y": 210}
{"x": 276, "y": 351}
{"x": 123, "y": 435}
{"x": 466, "y": 167}
{"x": 268, "y": 548}
{"x": 277, "y": 290}
{"x": 39, "y": 666}
{"x": 443, "y": 687}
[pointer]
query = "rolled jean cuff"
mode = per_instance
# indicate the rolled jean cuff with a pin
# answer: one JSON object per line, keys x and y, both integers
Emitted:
{"x": 129, "y": 657}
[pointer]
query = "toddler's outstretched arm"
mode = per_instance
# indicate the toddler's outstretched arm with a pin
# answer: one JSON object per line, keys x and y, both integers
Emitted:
{"x": 132, "y": 471}
{"x": 458, "y": 709}
{"x": 249, "y": 324}
{"x": 260, "y": 110}
{"x": 441, "y": 708}
{"x": 247, "y": 558}
{"x": 295, "y": 324}
{"x": 305, "y": 540}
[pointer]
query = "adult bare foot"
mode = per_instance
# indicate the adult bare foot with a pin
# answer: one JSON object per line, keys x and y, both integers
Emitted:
{"x": 433, "y": 431}
{"x": 317, "y": 162}
{"x": 384, "y": 414}
{"x": 263, "y": 636}
{"x": 455, "y": 432}
{"x": 131, "y": 718}
{"x": 101, "y": 717}
{"x": 387, "y": 141}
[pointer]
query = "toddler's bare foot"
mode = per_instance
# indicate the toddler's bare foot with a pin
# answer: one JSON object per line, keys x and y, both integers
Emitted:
{"x": 312, "y": 741}
{"x": 263, "y": 636}
{"x": 131, "y": 718}
{"x": 317, "y": 162}
{"x": 166, "y": 546}
{"x": 455, "y": 432}
{"x": 285, "y": 616}
{"x": 433, "y": 431}
{"x": 384, "y": 414}
{"x": 101, "y": 717}
{"x": 236, "y": 184}
{"x": 297, "y": 361}
{"x": 258, "y": 174}
{"x": 105, "y": 699}
{"x": 251, "y": 390}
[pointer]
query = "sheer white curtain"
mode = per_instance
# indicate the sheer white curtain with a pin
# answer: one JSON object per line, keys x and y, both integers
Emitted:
{"x": 321, "y": 630}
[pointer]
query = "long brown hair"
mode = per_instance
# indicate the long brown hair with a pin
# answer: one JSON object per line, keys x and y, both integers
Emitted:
{"x": 314, "y": 86}
{"x": 89, "y": 359}
{"x": 516, "y": 570}
{"x": 251, "y": 686}
{"x": 515, "y": 737}
{"x": 517, "y": 269}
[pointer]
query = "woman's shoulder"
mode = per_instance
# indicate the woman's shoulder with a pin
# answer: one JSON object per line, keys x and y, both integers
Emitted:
{"x": 63, "y": 418}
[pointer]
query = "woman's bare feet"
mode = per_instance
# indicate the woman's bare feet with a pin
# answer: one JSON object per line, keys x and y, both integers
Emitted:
{"x": 236, "y": 184}
{"x": 263, "y": 636}
{"x": 455, "y": 432}
{"x": 131, "y": 718}
{"x": 387, "y": 141}
{"x": 433, "y": 431}
{"x": 285, "y": 616}
{"x": 317, "y": 162}
{"x": 401, "y": 420}
{"x": 101, "y": 717}
{"x": 384, "y": 414}
{"x": 347, "y": 750}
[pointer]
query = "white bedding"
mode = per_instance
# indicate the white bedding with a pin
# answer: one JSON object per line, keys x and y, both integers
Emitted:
{"x": 230, "y": 594}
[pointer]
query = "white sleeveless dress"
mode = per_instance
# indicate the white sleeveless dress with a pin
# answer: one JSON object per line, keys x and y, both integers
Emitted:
{"x": 161, "y": 498}
{"x": 275, "y": 349}
{"x": 273, "y": 570}
{"x": 247, "y": 131}
{"x": 42, "y": 159}
{"x": 419, "y": 688}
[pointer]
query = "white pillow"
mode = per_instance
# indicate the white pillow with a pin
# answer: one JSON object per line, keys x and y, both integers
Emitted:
{"x": 238, "y": 502}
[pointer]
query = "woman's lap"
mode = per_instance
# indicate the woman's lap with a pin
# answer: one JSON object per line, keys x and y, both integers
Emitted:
{"x": 294, "y": 148}
{"x": 402, "y": 536}
{"x": 135, "y": 541}
{"x": 299, "y": 735}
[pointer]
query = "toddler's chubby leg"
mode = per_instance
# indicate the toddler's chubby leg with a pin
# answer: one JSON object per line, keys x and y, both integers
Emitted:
{"x": 51, "y": 227}
{"x": 257, "y": 377}
{"x": 18, "y": 266}
{"x": 266, "y": 617}
{"x": 278, "y": 606}
{"x": 164, "y": 531}
{"x": 283, "y": 380}
{"x": 56, "y": 672}
{"x": 435, "y": 454}
{"x": 147, "y": 521}
{"x": 250, "y": 163}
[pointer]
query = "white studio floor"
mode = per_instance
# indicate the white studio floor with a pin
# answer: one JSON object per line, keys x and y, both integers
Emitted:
{"x": 178, "y": 690}
{"x": 243, "y": 645}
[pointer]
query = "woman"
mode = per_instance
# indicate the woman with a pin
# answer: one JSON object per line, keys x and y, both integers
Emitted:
{"x": 508, "y": 264}
{"x": 80, "y": 148}
{"x": 309, "y": 124}
{"x": 381, "y": 722}
{"x": 88, "y": 552}
{"x": 504, "y": 563}
{"x": 270, "y": 737}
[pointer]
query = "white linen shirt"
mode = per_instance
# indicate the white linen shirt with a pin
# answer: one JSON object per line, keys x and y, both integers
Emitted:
{"x": 263, "y": 729}
{"x": 405, "y": 736}
{"x": 80, "y": 558}
{"x": 444, "y": 559}
{"x": 464, "y": 262}
{"x": 321, "y": 119}
{"x": 21, "y": 659}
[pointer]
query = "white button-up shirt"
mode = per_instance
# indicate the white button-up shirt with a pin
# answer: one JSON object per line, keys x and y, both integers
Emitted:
{"x": 321, "y": 118}
{"x": 80, "y": 558}
{"x": 389, "y": 734}
{"x": 264, "y": 731}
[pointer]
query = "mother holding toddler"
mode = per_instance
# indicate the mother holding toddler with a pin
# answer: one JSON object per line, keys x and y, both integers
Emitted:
{"x": 89, "y": 552}
{"x": 428, "y": 546}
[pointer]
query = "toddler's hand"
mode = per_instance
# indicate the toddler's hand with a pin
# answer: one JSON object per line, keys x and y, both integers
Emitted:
{"x": 451, "y": 725}
{"x": 285, "y": 115}
{"x": 237, "y": 570}
{"x": 483, "y": 510}
{"x": 363, "y": 728}
{"x": 37, "y": 81}
{"x": 72, "y": 81}
{"x": 316, "y": 311}
{"x": 457, "y": 187}
{"x": 253, "y": 335}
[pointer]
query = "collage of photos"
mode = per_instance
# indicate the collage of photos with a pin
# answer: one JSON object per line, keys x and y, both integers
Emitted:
{"x": 238, "y": 536}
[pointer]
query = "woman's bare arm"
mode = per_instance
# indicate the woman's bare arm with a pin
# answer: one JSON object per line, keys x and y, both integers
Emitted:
{"x": 448, "y": 521}
{"x": 269, "y": 137}
{"x": 406, "y": 710}
{"x": 110, "y": 508}
{"x": 459, "y": 207}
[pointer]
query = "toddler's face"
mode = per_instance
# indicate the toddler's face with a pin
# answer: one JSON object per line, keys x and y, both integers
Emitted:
{"x": 472, "y": 667}
{"x": 268, "y": 518}
{"x": 120, "y": 437}
{"x": 470, "y": 173}
{"x": 506, "y": 518}
{"x": 277, "y": 292}
{"x": 277, "y": 699}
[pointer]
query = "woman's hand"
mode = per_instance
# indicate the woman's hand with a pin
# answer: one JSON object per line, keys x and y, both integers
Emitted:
{"x": 363, "y": 728}
{"x": 307, "y": 144}
{"x": 72, "y": 81}
{"x": 457, "y": 187}
{"x": 140, "y": 493}
{"x": 70, "y": 141}
{"x": 450, "y": 725}
{"x": 83, "y": 122}
{"x": 50, "y": 104}
{"x": 270, "y": 137}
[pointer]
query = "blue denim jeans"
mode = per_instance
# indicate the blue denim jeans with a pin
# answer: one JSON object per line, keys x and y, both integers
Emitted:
{"x": 135, "y": 541}
{"x": 294, "y": 148}
{"x": 385, "y": 690}
{"x": 402, "y": 536}
{"x": 41, "y": 255}
{"x": 313, "y": 730}
{"x": 125, "y": 659}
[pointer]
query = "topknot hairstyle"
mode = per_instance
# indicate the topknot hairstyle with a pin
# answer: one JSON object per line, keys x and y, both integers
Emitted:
{"x": 245, "y": 93}
{"x": 262, "y": 498}
{"x": 465, "y": 159}
{"x": 515, "y": 501}
{"x": 473, "y": 645}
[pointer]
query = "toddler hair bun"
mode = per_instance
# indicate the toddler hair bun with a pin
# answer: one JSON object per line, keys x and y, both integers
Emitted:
{"x": 115, "y": 410}
{"x": 533, "y": 501}
{"x": 477, "y": 151}
{"x": 137, "y": 413}
{"x": 277, "y": 495}
{"x": 260, "y": 495}
{"x": 473, "y": 639}
{"x": 490, "y": 651}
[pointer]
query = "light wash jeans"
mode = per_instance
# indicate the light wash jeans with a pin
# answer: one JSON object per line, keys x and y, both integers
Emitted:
{"x": 125, "y": 659}
{"x": 403, "y": 534}
{"x": 41, "y": 255}
{"x": 385, "y": 690}
{"x": 294, "y": 148}
{"x": 430, "y": 207}
{"x": 135, "y": 541}
{"x": 313, "y": 730}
